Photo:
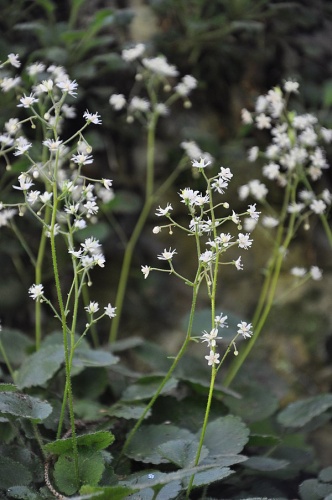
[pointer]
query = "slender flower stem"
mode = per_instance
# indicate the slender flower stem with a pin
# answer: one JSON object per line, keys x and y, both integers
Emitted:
{"x": 7, "y": 362}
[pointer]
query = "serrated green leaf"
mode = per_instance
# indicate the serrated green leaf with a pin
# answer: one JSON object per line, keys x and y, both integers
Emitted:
{"x": 169, "y": 491}
{"x": 211, "y": 475}
{"x": 106, "y": 492}
{"x": 325, "y": 475}
{"x": 15, "y": 344}
{"x": 40, "y": 366}
{"x": 301, "y": 412}
{"x": 265, "y": 463}
{"x": 90, "y": 465}
{"x": 145, "y": 444}
{"x": 22, "y": 493}
{"x": 146, "y": 387}
{"x": 182, "y": 452}
{"x": 94, "y": 441}
{"x": 93, "y": 358}
{"x": 13, "y": 473}
{"x": 226, "y": 435}
{"x": 254, "y": 404}
{"x": 127, "y": 411}
{"x": 21, "y": 405}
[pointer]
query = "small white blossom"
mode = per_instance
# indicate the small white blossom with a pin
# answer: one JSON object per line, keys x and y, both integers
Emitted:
{"x": 6, "y": 215}
{"x": 318, "y": 206}
{"x": 46, "y": 86}
{"x": 220, "y": 321}
{"x": 246, "y": 117}
{"x": 269, "y": 221}
{"x": 68, "y": 86}
{"x": 91, "y": 207}
{"x": 25, "y": 182}
{"x": 192, "y": 149}
{"x": 14, "y": 60}
{"x": 164, "y": 211}
{"x": 202, "y": 163}
{"x": 27, "y": 101}
{"x": 36, "y": 291}
{"x": 92, "y": 308}
{"x": 238, "y": 264}
{"x": 167, "y": 254}
{"x": 146, "y": 271}
{"x": 32, "y": 197}
{"x": 117, "y": 101}
{"x": 92, "y": 117}
{"x": 253, "y": 153}
{"x": 212, "y": 358}
{"x": 91, "y": 245}
{"x": 298, "y": 272}
{"x": 160, "y": 66}
{"x": 316, "y": 273}
{"x": 82, "y": 159}
{"x": 244, "y": 241}
{"x": 263, "y": 121}
{"x": 110, "y": 311}
{"x": 133, "y": 53}
{"x": 99, "y": 259}
{"x": 52, "y": 144}
{"x": 245, "y": 329}
{"x": 252, "y": 212}
{"x": 8, "y": 83}
{"x": 291, "y": 86}
{"x": 35, "y": 68}
{"x": 211, "y": 337}
{"x": 139, "y": 104}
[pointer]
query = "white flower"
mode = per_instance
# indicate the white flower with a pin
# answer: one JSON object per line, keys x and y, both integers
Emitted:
{"x": 133, "y": 53}
{"x": 36, "y": 291}
{"x": 6, "y": 215}
{"x": 211, "y": 337}
{"x": 99, "y": 259}
{"x": 219, "y": 185}
{"x": 68, "y": 86}
{"x": 327, "y": 196}
{"x": 291, "y": 86}
{"x": 91, "y": 245}
{"x": 164, "y": 211}
{"x": 252, "y": 212}
{"x": 45, "y": 197}
{"x": 238, "y": 264}
{"x": 68, "y": 111}
{"x": 107, "y": 183}
{"x": 318, "y": 206}
{"x": 246, "y": 117}
{"x": 92, "y": 117}
{"x": 52, "y": 144}
{"x": 32, "y": 197}
{"x": 316, "y": 273}
{"x": 117, "y": 101}
{"x": 156, "y": 230}
{"x": 82, "y": 159}
{"x": 299, "y": 272}
{"x": 202, "y": 163}
{"x": 22, "y": 147}
{"x": 13, "y": 60}
{"x": 110, "y": 311}
{"x": 271, "y": 171}
{"x": 91, "y": 207}
{"x": 27, "y": 101}
{"x": 161, "y": 109}
{"x": 269, "y": 221}
{"x": 212, "y": 358}
{"x": 220, "y": 321}
{"x": 146, "y": 271}
{"x": 263, "y": 121}
{"x": 160, "y": 66}
{"x": 245, "y": 329}
{"x": 244, "y": 241}
{"x": 294, "y": 207}
{"x": 79, "y": 223}
{"x": 192, "y": 149}
{"x": 25, "y": 182}
{"x": 35, "y": 68}
{"x": 167, "y": 254}
{"x": 8, "y": 83}
{"x": 12, "y": 126}
{"x": 257, "y": 189}
{"x": 92, "y": 308}
{"x": 249, "y": 224}
{"x": 253, "y": 153}
{"x": 207, "y": 256}
{"x": 139, "y": 104}
{"x": 46, "y": 85}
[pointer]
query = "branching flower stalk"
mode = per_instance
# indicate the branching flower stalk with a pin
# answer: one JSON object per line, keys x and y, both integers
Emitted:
{"x": 295, "y": 161}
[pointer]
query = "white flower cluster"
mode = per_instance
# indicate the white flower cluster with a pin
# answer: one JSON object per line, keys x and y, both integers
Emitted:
{"x": 158, "y": 71}
{"x": 294, "y": 150}
{"x": 211, "y": 338}
{"x": 314, "y": 272}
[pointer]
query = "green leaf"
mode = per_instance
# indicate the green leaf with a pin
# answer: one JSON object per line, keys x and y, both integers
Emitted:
{"x": 15, "y": 344}
{"x": 254, "y": 404}
{"x": 127, "y": 411}
{"x": 13, "y": 473}
{"x": 301, "y": 412}
{"x": 312, "y": 489}
{"x": 226, "y": 435}
{"x": 22, "y": 493}
{"x": 146, "y": 387}
{"x": 107, "y": 492}
{"x": 182, "y": 452}
{"x": 169, "y": 491}
{"x": 265, "y": 463}
{"x": 263, "y": 440}
{"x": 21, "y": 405}
{"x": 145, "y": 444}
{"x": 211, "y": 475}
{"x": 90, "y": 465}
{"x": 40, "y": 366}
{"x": 94, "y": 441}
{"x": 89, "y": 357}
{"x": 325, "y": 475}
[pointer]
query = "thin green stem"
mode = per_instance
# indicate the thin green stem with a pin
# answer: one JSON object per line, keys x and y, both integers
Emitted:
{"x": 7, "y": 362}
